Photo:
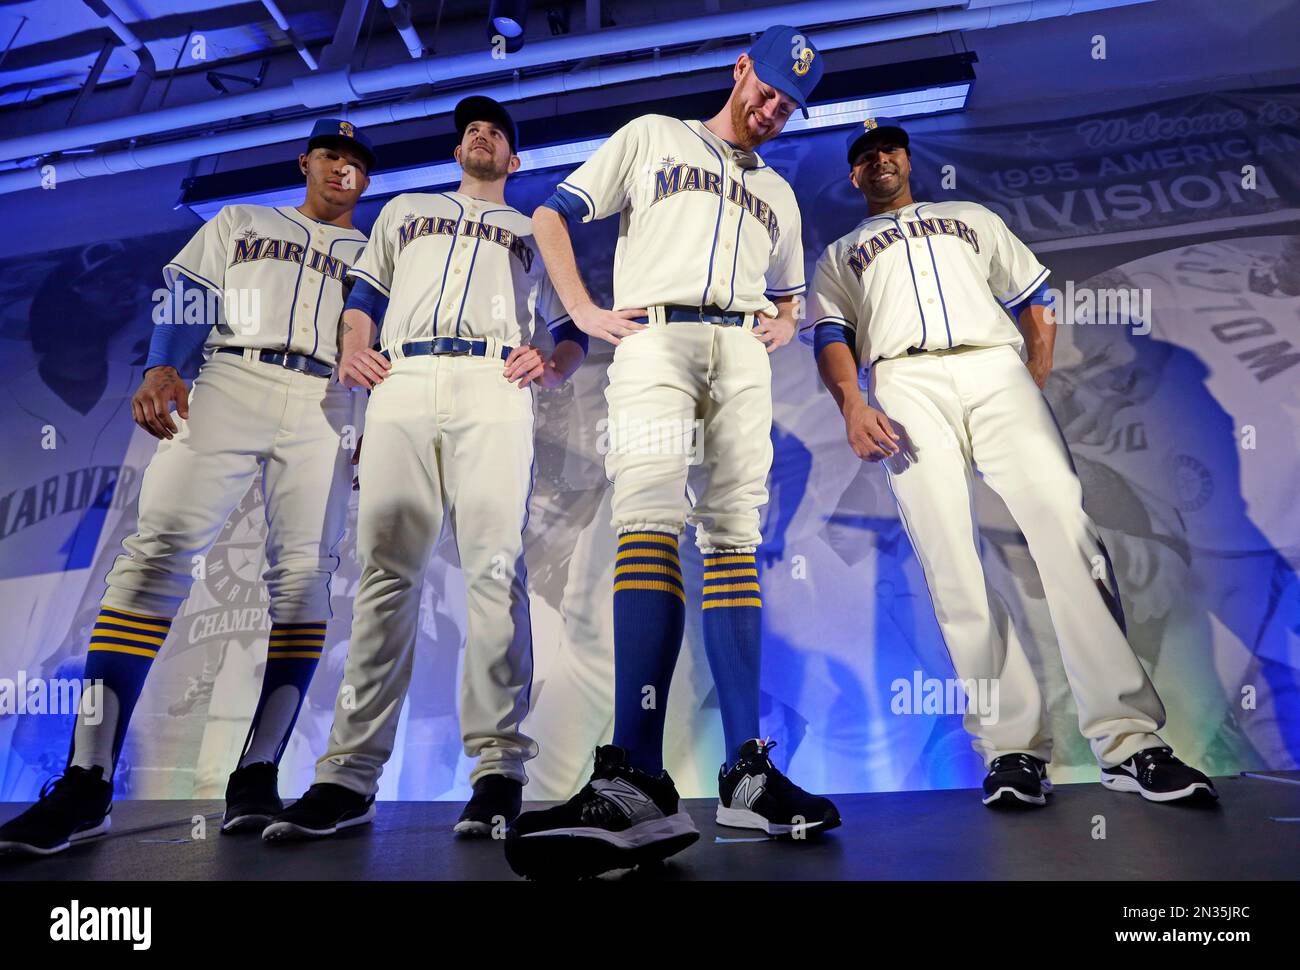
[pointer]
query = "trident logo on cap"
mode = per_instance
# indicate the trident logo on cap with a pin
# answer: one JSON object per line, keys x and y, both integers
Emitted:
{"x": 346, "y": 129}
{"x": 804, "y": 62}
{"x": 869, "y": 124}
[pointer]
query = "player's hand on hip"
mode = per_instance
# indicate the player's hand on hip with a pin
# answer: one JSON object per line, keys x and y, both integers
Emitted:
{"x": 1038, "y": 370}
{"x": 774, "y": 331}
{"x": 609, "y": 325}
{"x": 525, "y": 365}
{"x": 151, "y": 405}
{"x": 871, "y": 435}
{"x": 363, "y": 368}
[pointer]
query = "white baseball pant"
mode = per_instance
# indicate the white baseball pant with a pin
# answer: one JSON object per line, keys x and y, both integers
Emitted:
{"x": 445, "y": 436}
{"x": 245, "y": 415}
{"x": 666, "y": 383}
{"x": 981, "y": 406}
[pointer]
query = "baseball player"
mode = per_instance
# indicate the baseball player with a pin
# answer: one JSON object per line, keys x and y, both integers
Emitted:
{"x": 924, "y": 293}
{"x": 449, "y": 436}
{"x": 262, "y": 289}
{"x": 709, "y": 253}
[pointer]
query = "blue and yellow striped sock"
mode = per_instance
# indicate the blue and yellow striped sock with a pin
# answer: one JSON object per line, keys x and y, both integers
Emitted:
{"x": 291, "y": 658}
{"x": 649, "y": 616}
{"x": 122, "y": 648}
{"x": 733, "y": 639}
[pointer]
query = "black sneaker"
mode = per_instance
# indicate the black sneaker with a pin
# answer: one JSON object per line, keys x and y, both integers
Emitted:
{"x": 1016, "y": 779}
{"x": 496, "y": 801}
{"x": 252, "y": 798}
{"x": 324, "y": 810}
{"x": 622, "y": 818}
{"x": 72, "y": 808}
{"x": 1158, "y": 776}
{"x": 753, "y": 794}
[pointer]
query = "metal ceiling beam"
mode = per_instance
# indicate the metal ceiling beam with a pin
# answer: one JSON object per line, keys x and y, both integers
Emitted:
{"x": 282, "y": 22}
{"x": 989, "y": 14}
{"x": 147, "y": 69}
{"x": 338, "y": 52}
{"x": 345, "y": 87}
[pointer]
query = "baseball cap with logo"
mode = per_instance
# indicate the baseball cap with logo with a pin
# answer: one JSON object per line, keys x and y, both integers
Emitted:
{"x": 479, "y": 108}
{"x": 872, "y": 130}
{"x": 335, "y": 131}
{"x": 787, "y": 60}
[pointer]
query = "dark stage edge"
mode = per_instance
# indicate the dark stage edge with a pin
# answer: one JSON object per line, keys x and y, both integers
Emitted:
{"x": 1252, "y": 833}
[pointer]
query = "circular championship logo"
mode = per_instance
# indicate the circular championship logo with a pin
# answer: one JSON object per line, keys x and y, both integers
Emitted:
{"x": 1193, "y": 484}
{"x": 234, "y": 568}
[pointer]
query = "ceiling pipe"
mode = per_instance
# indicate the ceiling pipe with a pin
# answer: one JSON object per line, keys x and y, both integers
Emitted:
{"x": 342, "y": 86}
{"x": 400, "y": 14}
{"x": 935, "y": 22}
{"x": 282, "y": 22}
{"x": 92, "y": 79}
{"x": 147, "y": 69}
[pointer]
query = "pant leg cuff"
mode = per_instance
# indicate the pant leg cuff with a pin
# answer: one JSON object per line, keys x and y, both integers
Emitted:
{"x": 152, "y": 604}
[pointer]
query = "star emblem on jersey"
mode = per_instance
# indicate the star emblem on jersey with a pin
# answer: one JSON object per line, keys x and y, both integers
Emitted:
{"x": 408, "y": 218}
{"x": 667, "y": 162}
{"x": 249, "y": 235}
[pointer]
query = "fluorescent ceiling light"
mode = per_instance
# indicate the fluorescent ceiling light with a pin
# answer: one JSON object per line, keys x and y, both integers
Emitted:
{"x": 440, "y": 175}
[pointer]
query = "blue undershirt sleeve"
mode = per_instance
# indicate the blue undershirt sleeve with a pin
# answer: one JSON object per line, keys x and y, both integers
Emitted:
{"x": 175, "y": 342}
{"x": 1037, "y": 298}
{"x": 568, "y": 205}
{"x": 368, "y": 300}
{"x": 568, "y": 330}
{"x": 825, "y": 334}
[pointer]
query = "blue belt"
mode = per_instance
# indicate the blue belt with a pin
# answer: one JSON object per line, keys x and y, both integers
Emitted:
{"x": 448, "y": 346}
{"x": 299, "y": 362}
{"x": 676, "y": 313}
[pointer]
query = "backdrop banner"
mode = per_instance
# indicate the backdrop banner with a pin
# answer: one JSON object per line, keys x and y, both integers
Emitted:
{"x": 1173, "y": 234}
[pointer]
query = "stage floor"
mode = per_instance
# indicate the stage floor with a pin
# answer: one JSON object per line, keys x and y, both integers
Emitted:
{"x": 1252, "y": 833}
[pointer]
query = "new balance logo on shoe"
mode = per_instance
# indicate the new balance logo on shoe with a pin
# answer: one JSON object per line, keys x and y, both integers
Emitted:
{"x": 1130, "y": 768}
{"x": 631, "y": 801}
{"x": 748, "y": 790}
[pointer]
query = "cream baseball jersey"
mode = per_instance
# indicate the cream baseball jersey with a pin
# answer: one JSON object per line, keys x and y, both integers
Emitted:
{"x": 280, "y": 276}
{"x": 930, "y": 275}
{"x": 456, "y": 266}
{"x": 702, "y": 223}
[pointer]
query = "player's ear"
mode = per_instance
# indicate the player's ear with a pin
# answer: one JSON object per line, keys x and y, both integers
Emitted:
{"x": 302, "y": 163}
{"x": 456, "y": 153}
{"x": 514, "y": 164}
{"x": 742, "y": 62}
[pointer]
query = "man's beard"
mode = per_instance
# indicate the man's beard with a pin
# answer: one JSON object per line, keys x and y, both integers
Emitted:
{"x": 484, "y": 167}
{"x": 745, "y": 138}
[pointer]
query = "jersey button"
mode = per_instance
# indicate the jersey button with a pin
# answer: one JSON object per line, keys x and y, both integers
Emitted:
{"x": 931, "y": 300}
{"x": 925, "y": 273}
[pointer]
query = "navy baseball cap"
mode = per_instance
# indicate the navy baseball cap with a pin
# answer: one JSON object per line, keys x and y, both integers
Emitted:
{"x": 875, "y": 129}
{"x": 787, "y": 60}
{"x": 331, "y": 131}
{"x": 479, "y": 108}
